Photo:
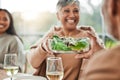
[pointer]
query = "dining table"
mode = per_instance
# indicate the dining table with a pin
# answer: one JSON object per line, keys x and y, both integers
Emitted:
{"x": 25, "y": 76}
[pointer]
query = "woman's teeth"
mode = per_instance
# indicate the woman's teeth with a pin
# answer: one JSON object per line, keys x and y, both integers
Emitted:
{"x": 70, "y": 21}
{"x": 1, "y": 26}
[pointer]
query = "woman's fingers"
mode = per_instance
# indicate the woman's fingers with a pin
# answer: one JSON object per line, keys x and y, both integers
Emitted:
{"x": 45, "y": 45}
{"x": 83, "y": 55}
{"x": 48, "y": 48}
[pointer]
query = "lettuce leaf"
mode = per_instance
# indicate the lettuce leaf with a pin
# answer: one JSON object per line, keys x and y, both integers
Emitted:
{"x": 80, "y": 45}
{"x": 69, "y": 44}
{"x": 58, "y": 44}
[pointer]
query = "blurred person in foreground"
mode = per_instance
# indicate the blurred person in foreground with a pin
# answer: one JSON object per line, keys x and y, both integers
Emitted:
{"x": 68, "y": 13}
{"x": 106, "y": 64}
{"x": 10, "y": 42}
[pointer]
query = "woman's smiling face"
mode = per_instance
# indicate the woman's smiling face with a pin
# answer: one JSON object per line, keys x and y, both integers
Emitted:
{"x": 69, "y": 16}
{"x": 4, "y": 21}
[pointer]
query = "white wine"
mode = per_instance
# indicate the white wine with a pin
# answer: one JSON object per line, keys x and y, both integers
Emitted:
{"x": 11, "y": 70}
{"x": 55, "y": 75}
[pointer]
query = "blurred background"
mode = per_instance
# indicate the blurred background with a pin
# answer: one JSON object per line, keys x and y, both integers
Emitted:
{"x": 33, "y": 18}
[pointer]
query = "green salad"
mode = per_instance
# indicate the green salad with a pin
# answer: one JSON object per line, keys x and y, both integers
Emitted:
{"x": 69, "y": 44}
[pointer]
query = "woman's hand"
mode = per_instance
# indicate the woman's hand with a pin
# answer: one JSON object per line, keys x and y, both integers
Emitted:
{"x": 95, "y": 46}
{"x": 45, "y": 46}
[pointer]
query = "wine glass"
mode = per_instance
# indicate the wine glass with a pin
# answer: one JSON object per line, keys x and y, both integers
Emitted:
{"x": 10, "y": 65}
{"x": 54, "y": 70}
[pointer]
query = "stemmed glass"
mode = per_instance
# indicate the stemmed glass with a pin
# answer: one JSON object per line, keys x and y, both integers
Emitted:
{"x": 10, "y": 65}
{"x": 54, "y": 70}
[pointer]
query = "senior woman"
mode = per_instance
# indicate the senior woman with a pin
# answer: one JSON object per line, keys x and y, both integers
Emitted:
{"x": 68, "y": 14}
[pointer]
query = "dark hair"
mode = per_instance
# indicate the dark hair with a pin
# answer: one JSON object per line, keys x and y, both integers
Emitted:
{"x": 11, "y": 29}
{"x": 63, "y": 3}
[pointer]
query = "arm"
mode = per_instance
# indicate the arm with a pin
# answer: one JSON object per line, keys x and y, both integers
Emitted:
{"x": 37, "y": 56}
{"x": 39, "y": 53}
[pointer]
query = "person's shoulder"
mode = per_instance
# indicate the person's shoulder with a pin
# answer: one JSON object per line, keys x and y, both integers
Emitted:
{"x": 107, "y": 54}
{"x": 11, "y": 37}
{"x": 105, "y": 57}
{"x": 115, "y": 50}
{"x": 14, "y": 39}
{"x": 14, "y": 42}
{"x": 103, "y": 64}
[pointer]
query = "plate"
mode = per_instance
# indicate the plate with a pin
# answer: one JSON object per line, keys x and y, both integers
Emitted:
{"x": 70, "y": 52}
{"x": 22, "y": 76}
{"x": 67, "y": 52}
{"x": 30, "y": 78}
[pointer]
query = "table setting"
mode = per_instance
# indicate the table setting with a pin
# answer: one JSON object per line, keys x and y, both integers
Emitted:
{"x": 10, "y": 70}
